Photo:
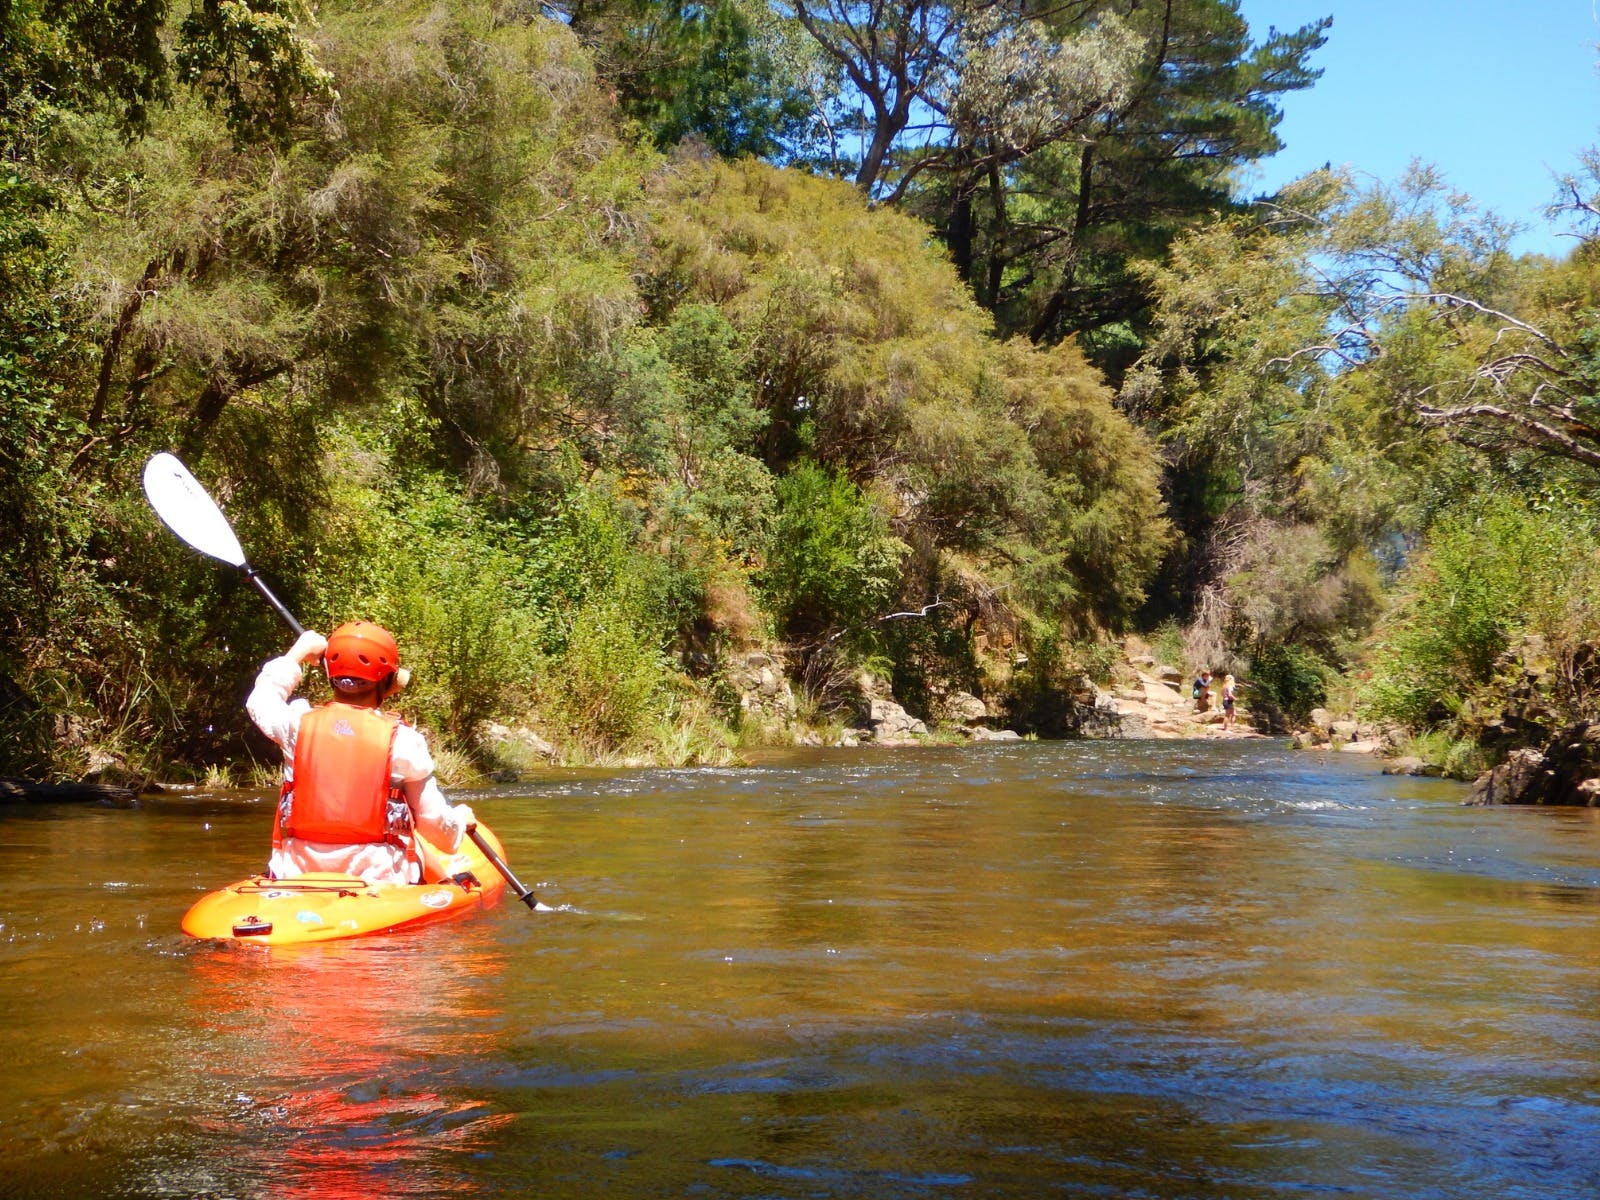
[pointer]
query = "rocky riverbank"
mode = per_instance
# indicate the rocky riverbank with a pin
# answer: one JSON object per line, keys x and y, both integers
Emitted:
{"x": 1142, "y": 698}
{"x": 1150, "y": 699}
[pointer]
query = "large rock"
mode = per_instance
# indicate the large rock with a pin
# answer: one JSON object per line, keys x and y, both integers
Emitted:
{"x": 1155, "y": 691}
{"x": 1521, "y": 779}
{"x": 963, "y": 708}
{"x": 1410, "y": 764}
{"x": 1566, "y": 771}
{"x": 514, "y": 751}
{"x": 890, "y": 720}
{"x": 765, "y": 695}
{"x": 979, "y": 734}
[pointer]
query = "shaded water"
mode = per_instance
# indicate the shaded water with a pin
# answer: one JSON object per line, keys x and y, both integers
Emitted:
{"x": 1210, "y": 970}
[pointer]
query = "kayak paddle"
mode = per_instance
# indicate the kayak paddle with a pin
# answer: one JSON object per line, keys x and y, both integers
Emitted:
{"x": 191, "y": 513}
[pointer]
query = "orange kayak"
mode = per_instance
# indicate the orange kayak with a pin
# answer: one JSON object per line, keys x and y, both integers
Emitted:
{"x": 321, "y": 908}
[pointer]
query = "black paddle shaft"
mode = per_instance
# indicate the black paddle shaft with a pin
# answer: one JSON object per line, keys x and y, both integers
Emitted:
{"x": 254, "y": 577}
{"x": 523, "y": 893}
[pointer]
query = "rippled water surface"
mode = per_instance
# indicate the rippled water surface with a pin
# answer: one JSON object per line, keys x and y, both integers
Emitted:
{"x": 1210, "y": 970}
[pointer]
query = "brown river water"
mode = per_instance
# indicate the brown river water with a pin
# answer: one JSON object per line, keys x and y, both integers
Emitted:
{"x": 1218, "y": 970}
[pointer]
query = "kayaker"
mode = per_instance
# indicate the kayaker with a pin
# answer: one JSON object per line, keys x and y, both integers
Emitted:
{"x": 357, "y": 781}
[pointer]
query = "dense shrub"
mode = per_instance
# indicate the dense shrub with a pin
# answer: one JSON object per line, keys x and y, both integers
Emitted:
{"x": 611, "y": 683}
{"x": 831, "y": 561}
{"x": 1489, "y": 573}
{"x": 1292, "y": 678}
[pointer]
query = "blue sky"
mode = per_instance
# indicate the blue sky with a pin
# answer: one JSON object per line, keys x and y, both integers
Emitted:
{"x": 1501, "y": 95}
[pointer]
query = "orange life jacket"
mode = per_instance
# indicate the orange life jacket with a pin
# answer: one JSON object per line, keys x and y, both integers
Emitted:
{"x": 341, "y": 788}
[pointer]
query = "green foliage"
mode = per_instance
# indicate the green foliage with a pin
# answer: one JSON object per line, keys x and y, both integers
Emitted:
{"x": 79, "y": 56}
{"x": 1041, "y": 688}
{"x": 1489, "y": 574}
{"x": 1291, "y": 587}
{"x": 458, "y": 352}
{"x": 1166, "y": 644}
{"x": 1102, "y": 529}
{"x": 486, "y": 603}
{"x": 251, "y": 56}
{"x": 1291, "y": 677}
{"x": 610, "y": 685}
{"x": 685, "y": 419}
{"x": 711, "y": 71}
{"x": 1456, "y": 757}
{"x": 870, "y": 359}
{"x": 831, "y": 562}
{"x": 1097, "y": 658}
{"x": 1055, "y": 243}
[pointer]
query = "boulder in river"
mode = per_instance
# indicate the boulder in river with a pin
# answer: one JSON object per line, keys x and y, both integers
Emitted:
{"x": 1566, "y": 771}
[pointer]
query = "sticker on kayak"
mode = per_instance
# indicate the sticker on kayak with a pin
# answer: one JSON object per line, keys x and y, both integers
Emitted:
{"x": 435, "y": 899}
{"x": 306, "y": 917}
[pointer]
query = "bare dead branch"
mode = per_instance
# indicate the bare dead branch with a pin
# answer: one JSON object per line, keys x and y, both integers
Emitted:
{"x": 938, "y": 602}
{"x": 1542, "y": 435}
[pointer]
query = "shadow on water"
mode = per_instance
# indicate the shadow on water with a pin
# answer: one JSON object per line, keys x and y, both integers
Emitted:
{"x": 1199, "y": 970}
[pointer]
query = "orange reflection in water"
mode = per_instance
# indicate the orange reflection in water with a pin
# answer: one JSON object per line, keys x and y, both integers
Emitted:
{"x": 343, "y": 1059}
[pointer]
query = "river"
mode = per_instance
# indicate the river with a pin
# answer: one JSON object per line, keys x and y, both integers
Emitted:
{"x": 1210, "y": 970}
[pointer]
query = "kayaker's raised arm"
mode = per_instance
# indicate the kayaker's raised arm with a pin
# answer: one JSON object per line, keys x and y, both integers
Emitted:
{"x": 269, "y": 706}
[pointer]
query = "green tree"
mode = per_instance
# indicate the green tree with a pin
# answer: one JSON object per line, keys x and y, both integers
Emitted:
{"x": 961, "y": 88}
{"x": 831, "y": 562}
{"x": 1489, "y": 574}
{"x": 431, "y": 258}
{"x": 719, "y": 72}
{"x": 1064, "y": 257}
{"x": 871, "y": 360}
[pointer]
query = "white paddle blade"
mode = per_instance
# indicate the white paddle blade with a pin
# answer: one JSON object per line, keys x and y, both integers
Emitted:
{"x": 188, "y": 510}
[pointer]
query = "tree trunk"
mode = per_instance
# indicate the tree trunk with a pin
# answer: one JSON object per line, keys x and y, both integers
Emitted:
{"x": 1045, "y": 325}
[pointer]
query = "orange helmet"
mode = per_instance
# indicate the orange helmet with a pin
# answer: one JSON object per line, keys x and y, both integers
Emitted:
{"x": 361, "y": 650}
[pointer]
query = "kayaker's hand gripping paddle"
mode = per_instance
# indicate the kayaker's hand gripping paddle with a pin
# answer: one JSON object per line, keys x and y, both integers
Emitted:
{"x": 191, "y": 513}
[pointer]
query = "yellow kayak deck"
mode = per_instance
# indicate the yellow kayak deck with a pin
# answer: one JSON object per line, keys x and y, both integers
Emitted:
{"x": 322, "y": 908}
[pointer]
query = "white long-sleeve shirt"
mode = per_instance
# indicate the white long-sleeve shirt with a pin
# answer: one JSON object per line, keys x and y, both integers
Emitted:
{"x": 410, "y": 764}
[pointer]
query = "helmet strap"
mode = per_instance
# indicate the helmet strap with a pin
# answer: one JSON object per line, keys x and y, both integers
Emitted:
{"x": 354, "y": 690}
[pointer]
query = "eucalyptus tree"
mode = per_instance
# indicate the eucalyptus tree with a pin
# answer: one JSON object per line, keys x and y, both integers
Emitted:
{"x": 1338, "y": 369}
{"x": 1495, "y": 352}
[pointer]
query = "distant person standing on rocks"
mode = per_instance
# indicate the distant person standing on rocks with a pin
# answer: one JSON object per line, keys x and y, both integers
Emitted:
{"x": 1227, "y": 702}
{"x": 1201, "y": 691}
